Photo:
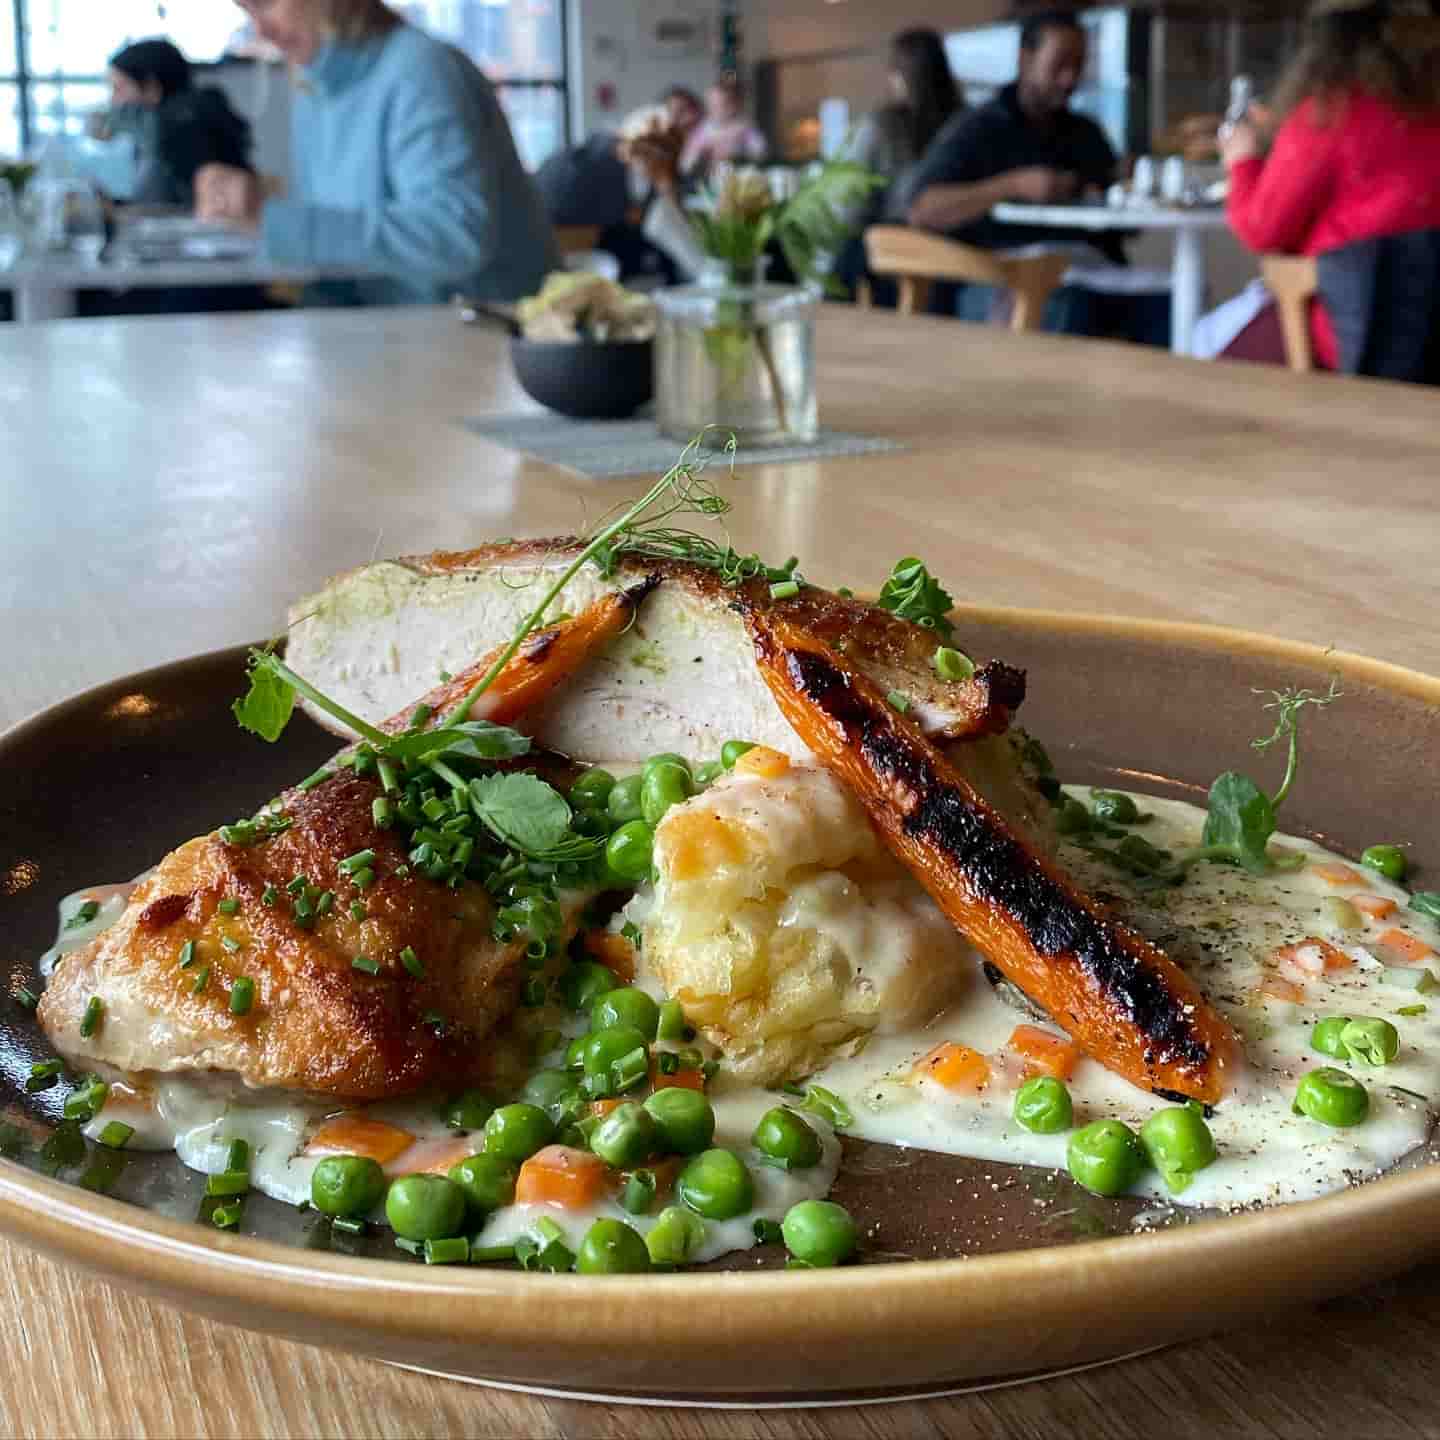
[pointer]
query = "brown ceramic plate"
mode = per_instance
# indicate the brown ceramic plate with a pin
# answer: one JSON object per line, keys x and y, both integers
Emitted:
{"x": 978, "y": 1271}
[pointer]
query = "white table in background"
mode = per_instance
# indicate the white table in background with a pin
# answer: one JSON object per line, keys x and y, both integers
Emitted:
{"x": 46, "y": 289}
{"x": 1187, "y": 229}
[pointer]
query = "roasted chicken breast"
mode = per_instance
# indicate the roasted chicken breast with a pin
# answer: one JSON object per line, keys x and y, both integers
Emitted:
{"x": 682, "y": 678}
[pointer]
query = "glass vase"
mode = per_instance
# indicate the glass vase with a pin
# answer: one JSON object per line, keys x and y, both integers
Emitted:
{"x": 739, "y": 356}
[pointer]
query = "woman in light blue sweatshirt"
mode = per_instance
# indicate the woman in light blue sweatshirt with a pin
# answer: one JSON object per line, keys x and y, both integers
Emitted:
{"x": 403, "y": 166}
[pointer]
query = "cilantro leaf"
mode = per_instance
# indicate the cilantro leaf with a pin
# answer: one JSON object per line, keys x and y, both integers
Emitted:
{"x": 267, "y": 706}
{"x": 523, "y": 812}
{"x": 914, "y": 594}
{"x": 471, "y": 739}
{"x": 1240, "y": 822}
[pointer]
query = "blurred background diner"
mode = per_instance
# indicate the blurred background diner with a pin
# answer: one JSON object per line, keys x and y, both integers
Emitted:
{"x": 350, "y": 151}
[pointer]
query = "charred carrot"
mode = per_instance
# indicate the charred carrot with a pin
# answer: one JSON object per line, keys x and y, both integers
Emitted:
{"x": 1119, "y": 997}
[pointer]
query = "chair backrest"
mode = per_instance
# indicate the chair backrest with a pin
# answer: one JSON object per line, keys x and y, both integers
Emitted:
{"x": 916, "y": 258}
{"x": 1383, "y": 298}
{"x": 1293, "y": 280}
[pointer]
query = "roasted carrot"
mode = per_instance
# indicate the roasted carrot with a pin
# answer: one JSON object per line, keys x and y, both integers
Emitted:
{"x": 1045, "y": 1053}
{"x": 547, "y": 658}
{"x": 956, "y": 1067}
{"x": 612, "y": 951}
{"x": 355, "y": 1135}
{"x": 561, "y": 1175}
{"x": 1119, "y": 997}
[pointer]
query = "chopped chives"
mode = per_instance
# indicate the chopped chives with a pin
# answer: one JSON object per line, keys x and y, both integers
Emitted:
{"x": 533, "y": 994}
{"x": 952, "y": 664}
{"x": 1412, "y": 1009}
{"x": 898, "y": 700}
{"x": 46, "y": 1067}
{"x": 27, "y": 999}
{"x": 434, "y": 810}
{"x": 238, "y": 1157}
{"x": 242, "y": 995}
{"x": 630, "y": 1069}
{"x": 455, "y": 1251}
{"x": 639, "y": 1192}
{"x": 365, "y": 763}
{"x": 357, "y": 910}
{"x": 363, "y": 962}
{"x": 435, "y": 1020}
{"x": 785, "y": 590}
{"x": 382, "y": 812}
{"x": 349, "y": 1225}
{"x": 227, "y": 1217}
{"x": 231, "y": 944}
{"x": 411, "y": 961}
{"x": 323, "y": 774}
{"x": 325, "y": 902}
{"x": 242, "y": 832}
{"x": 358, "y": 861}
{"x": 187, "y": 955}
{"x": 672, "y": 1021}
{"x": 410, "y": 1247}
{"x": 87, "y": 1103}
{"x": 228, "y": 906}
{"x": 363, "y": 879}
{"x": 768, "y": 1232}
{"x": 228, "y": 1184}
{"x": 88, "y": 910}
{"x": 483, "y": 1254}
{"x": 845, "y": 593}
{"x": 548, "y": 1230}
{"x": 202, "y": 977}
{"x": 37, "y": 1083}
{"x": 387, "y": 776}
{"x": 667, "y": 1062}
{"x": 90, "y": 1021}
{"x": 297, "y": 885}
{"x": 116, "y": 1134}
{"x": 421, "y": 715}
{"x": 710, "y": 1069}
{"x": 270, "y": 896}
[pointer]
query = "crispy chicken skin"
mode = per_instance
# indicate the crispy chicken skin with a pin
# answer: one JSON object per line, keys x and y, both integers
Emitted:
{"x": 317, "y": 1024}
{"x": 682, "y": 678}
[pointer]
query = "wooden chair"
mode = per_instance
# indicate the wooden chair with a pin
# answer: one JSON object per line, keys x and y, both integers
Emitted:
{"x": 916, "y": 258}
{"x": 1294, "y": 281}
{"x": 572, "y": 239}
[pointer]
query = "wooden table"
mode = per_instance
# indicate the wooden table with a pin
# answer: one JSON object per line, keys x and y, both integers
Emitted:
{"x": 166, "y": 486}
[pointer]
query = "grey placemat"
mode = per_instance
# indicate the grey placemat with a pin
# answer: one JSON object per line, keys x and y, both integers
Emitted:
{"x": 601, "y": 448}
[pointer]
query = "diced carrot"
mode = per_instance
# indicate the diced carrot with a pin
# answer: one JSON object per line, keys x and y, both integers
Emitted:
{"x": 601, "y": 1108}
{"x": 1278, "y": 988}
{"x": 612, "y": 951}
{"x": 431, "y": 1157}
{"x": 356, "y": 1135}
{"x": 761, "y": 760}
{"x": 1312, "y": 956}
{"x": 1045, "y": 1052}
{"x": 956, "y": 1067}
{"x": 685, "y": 1079}
{"x": 1413, "y": 951}
{"x": 1337, "y": 874}
{"x": 561, "y": 1175}
{"x": 1377, "y": 907}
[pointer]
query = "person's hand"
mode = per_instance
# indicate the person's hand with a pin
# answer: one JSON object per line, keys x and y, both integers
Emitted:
{"x": 1041, "y": 185}
{"x": 228, "y": 195}
{"x": 1240, "y": 141}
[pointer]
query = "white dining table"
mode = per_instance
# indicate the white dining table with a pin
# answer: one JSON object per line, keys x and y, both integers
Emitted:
{"x": 1186, "y": 227}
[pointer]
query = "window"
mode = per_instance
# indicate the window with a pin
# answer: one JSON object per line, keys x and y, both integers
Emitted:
{"x": 52, "y": 75}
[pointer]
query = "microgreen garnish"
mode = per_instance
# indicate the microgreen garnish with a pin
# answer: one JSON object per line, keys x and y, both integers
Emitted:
{"x": 88, "y": 910}
{"x": 913, "y": 593}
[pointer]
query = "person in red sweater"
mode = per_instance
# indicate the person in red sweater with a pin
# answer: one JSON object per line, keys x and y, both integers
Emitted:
{"x": 1357, "y": 154}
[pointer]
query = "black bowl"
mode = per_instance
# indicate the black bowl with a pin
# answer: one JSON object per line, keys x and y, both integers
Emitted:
{"x": 583, "y": 380}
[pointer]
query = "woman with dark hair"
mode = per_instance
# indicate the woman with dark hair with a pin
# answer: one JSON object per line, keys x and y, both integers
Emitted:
{"x": 890, "y": 140}
{"x": 1357, "y": 152}
{"x": 178, "y": 126}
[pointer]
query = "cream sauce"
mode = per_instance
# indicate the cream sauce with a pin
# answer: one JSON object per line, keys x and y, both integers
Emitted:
{"x": 1224, "y": 925}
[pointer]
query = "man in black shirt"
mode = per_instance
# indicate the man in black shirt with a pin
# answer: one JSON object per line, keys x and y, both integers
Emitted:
{"x": 1026, "y": 145}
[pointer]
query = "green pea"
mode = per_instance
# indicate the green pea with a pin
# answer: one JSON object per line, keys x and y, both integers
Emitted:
{"x": 732, "y": 750}
{"x": 819, "y": 1232}
{"x": 675, "y": 1236}
{"x": 707, "y": 774}
{"x": 1114, "y": 806}
{"x": 425, "y": 1207}
{"x": 611, "y": 1247}
{"x": 630, "y": 851}
{"x": 623, "y": 803}
{"x": 667, "y": 757}
{"x": 1043, "y": 1106}
{"x": 470, "y": 1111}
{"x": 1326, "y": 1036}
{"x": 1072, "y": 818}
{"x": 664, "y": 786}
{"x": 602, "y": 1048}
{"x": 1332, "y": 1097}
{"x": 717, "y": 1185}
{"x": 584, "y": 983}
{"x": 516, "y": 1132}
{"x": 784, "y": 1137}
{"x": 488, "y": 1182}
{"x": 1389, "y": 860}
{"x": 1372, "y": 1042}
{"x": 346, "y": 1185}
{"x": 592, "y": 790}
{"x": 1106, "y": 1157}
{"x": 625, "y": 1137}
{"x": 553, "y": 1091}
{"x": 1178, "y": 1142}
{"x": 684, "y": 1119}
{"x": 630, "y": 1008}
